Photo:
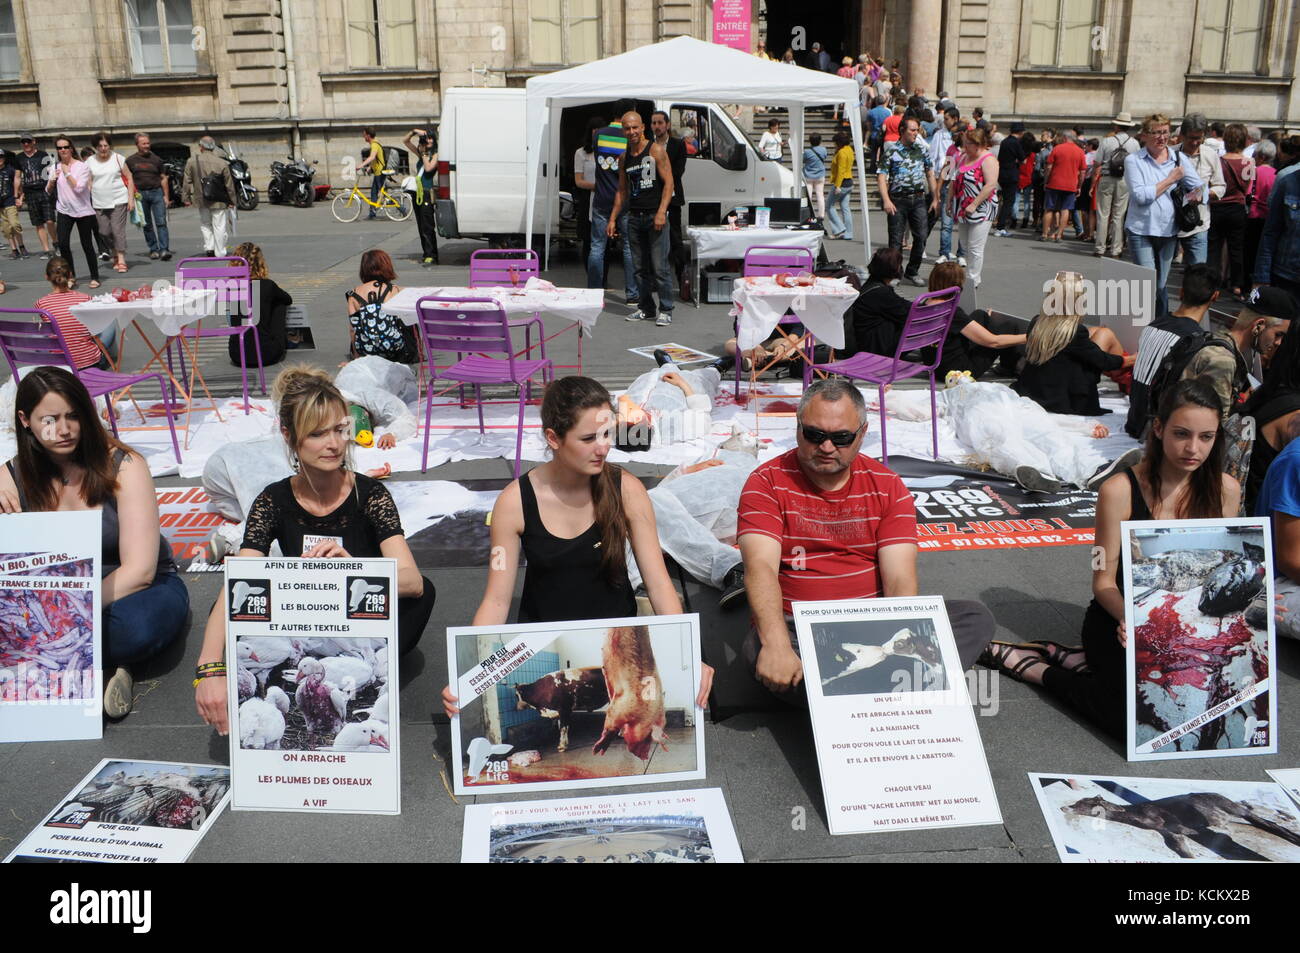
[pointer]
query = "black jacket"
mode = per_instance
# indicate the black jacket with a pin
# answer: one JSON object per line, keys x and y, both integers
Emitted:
{"x": 876, "y": 319}
{"x": 1067, "y": 384}
{"x": 272, "y": 335}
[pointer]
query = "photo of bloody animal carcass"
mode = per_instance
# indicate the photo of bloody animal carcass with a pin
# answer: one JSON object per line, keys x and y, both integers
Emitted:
{"x": 579, "y": 705}
{"x": 1151, "y": 820}
{"x": 146, "y": 794}
{"x": 46, "y": 634}
{"x": 1200, "y": 614}
{"x": 312, "y": 694}
{"x": 879, "y": 656}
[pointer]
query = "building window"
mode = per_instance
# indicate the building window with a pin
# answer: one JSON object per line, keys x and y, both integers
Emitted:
{"x": 564, "y": 32}
{"x": 381, "y": 33}
{"x": 1061, "y": 33}
{"x": 162, "y": 35}
{"x": 10, "y": 65}
{"x": 1232, "y": 35}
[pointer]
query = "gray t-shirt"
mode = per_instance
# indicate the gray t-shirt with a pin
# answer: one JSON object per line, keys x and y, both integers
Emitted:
{"x": 1124, "y": 141}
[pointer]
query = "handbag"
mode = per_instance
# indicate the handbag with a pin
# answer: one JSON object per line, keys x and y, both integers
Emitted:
{"x": 137, "y": 212}
{"x": 1187, "y": 217}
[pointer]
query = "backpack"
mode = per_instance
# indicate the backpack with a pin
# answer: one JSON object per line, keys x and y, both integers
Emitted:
{"x": 214, "y": 188}
{"x": 1115, "y": 163}
{"x": 1175, "y": 362}
{"x": 377, "y": 332}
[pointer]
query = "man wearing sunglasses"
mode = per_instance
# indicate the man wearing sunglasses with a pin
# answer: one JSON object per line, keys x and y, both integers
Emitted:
{"x": 823, "y": 522}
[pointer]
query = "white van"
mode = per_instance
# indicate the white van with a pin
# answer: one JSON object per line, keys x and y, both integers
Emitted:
{"x": 482, "y": 162}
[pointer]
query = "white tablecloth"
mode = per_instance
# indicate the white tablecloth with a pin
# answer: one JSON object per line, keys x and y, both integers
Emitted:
{"x": 716, "y": 243}
{"x": 582, "y": 305}
{"x": 760, "y": 303}
{"x": 168, "y": 312}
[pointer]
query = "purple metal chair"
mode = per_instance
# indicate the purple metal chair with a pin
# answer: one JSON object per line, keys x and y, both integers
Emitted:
{"x": 763, "y": 261}
{"x": 927, "y": 326}
{"x": 231, "y": 279}
{"x": 35, "y": 342}
{"x": 477, "y": 327}
{"x": 511, "y": 268}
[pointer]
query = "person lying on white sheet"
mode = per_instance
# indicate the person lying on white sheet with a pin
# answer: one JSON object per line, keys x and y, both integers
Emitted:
{"x": 1014, "y": 435}
{"x": 667, "y": 405}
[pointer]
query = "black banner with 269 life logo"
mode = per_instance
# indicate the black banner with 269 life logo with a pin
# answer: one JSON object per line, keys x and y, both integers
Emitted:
{"x": 965, "y": 510}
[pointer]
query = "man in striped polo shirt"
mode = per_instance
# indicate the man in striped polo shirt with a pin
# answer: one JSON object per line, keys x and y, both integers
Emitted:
{"x": 824, "y": 522}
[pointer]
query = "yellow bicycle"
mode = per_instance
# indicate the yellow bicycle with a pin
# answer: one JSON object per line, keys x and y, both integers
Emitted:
{"x": 396, "y": 205}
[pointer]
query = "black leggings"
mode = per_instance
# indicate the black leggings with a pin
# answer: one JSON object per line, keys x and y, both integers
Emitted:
{"x": 1098, "y": 696}
{"x": 86, "y": 231}
{"x": 413, "y": 615}
{"x": 426, "y": 224}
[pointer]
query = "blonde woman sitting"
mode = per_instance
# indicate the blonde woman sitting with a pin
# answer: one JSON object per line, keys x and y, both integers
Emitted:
{"x": 1064, "y": 360}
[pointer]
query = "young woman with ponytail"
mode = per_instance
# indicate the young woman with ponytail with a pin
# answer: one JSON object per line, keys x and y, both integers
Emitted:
{"x": 573, "y": 517}
{"x": 1180, "y": 477}
{"x": 324, "y": 511}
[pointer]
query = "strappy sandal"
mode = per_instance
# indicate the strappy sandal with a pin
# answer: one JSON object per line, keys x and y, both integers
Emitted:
{"x": 995, "y": 657}
{"x": 1056, "y": 654}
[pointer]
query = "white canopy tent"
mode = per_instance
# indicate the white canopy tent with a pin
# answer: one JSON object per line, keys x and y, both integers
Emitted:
{"x": 681, "y": 68}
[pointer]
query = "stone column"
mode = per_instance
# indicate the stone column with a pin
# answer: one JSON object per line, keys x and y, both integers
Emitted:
{"x": 923, "y": 36}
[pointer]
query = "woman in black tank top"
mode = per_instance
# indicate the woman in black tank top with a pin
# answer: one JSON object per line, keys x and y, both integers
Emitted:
{"x": 67, "y": 461}
{"x": 573, "y": 517}
{"x": 1180, "y": 477}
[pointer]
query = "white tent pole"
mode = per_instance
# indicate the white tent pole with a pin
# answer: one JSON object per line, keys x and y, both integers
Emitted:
{"x": 533, "y": 154}
{"x": 855, "y": 130}
{"x": 551, "y": 187}
{"x": 796, "y": 147}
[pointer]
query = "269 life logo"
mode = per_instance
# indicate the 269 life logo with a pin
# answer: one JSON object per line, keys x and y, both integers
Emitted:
{"x": 250, "y": 600}
{"x": 368, "y": 598}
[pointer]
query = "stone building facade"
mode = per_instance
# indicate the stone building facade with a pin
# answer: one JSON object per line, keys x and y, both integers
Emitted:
{"x": 273, "y": 77}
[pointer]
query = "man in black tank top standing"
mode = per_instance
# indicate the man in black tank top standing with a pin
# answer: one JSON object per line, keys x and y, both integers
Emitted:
{"x": 645, "y": 187}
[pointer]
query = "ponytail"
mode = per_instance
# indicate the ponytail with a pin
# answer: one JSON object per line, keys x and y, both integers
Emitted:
{"x": 565, "y": 398}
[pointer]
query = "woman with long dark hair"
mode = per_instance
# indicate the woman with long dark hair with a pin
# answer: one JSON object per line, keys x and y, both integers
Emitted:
{"x": 1180, "y": 477}
{"x": 66, "y": 460}
{"x": 324, "y": 511}
{"x": 574, "y": 517}
{"x": 425, "y": 152}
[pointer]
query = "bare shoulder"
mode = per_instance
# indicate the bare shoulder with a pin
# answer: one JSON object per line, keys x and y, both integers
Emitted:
{"x": 135, "y": 469}
{"x": 508, "y": 511}
{"x": 1115, "y": 491}
{"x": 633, "y": 485}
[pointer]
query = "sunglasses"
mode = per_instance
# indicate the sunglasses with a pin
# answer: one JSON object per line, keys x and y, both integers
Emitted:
{"x": 840, "y": 438}
{"x": 64, "y": 148}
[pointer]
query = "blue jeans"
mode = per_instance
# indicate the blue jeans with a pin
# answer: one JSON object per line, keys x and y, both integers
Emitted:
{"x": 376, "y": 183}
{"x": 154, "y": 208}
{"x": 1195, "y": 248}
{"x": 910, "y": 214}
{"x": 596, "y": 260}
{"x": 650, "y": 250}
{"x": 839, "y": 213}
{"x": 1025, "y": 204}
{"x": 1155, "y": 251}
{"x": 946, "y": 223}
{"x": 141, "y": 625}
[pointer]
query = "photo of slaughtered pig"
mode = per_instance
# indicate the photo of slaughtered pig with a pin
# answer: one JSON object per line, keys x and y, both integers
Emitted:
{"x": 1201, "y": 650}
{"x": 558, "y": 706}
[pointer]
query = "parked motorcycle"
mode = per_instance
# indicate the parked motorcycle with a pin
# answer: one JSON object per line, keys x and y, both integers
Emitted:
{"x": 291, "y": 182}
{"x": 175, "y": 172}
{"x": 245, "y": 194}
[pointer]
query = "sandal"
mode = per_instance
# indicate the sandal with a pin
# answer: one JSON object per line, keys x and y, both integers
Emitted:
{"x": 94, "y": 282}
{"x": 995, "y": 656}
{"x": 121, "y": 269}
{"x": 1057, "y": 654}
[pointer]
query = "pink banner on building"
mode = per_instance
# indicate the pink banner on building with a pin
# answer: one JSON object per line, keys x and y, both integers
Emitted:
{"x": 731, "y": 24}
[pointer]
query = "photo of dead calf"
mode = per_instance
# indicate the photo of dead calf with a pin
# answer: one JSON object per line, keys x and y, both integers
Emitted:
{"x": 552, "y": 705}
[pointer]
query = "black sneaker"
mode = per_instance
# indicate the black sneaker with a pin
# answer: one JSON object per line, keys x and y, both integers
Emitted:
{"x": 1032, "y": 479}
{"x": 24, "y": 252}
{"x": 661, "y": 357}
{"x": 105, "y": 256}
{"x": 1129, "y": 458}
{"x": 733, "y": 587}
{"x": 46, "y": 255}
{"x": 165, "y": 254}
